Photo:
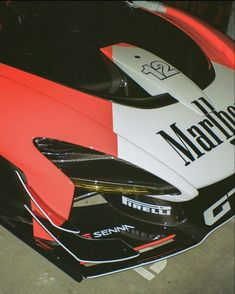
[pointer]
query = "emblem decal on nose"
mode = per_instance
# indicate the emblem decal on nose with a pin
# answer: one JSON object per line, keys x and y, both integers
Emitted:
{"x": 159, "y": 69}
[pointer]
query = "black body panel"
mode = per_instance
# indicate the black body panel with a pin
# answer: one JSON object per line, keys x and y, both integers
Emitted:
{"x": 102, "y": 222}
{"x": 61, "y": 41}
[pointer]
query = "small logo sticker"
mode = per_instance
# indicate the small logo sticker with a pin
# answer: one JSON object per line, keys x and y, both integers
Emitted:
{"x": 108, "y": 231}
{"x": 159, "y": 69}
{"x": 145, "y": 207}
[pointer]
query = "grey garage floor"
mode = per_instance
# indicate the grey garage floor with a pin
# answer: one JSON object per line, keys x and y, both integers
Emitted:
{"x": 208, "y": 268}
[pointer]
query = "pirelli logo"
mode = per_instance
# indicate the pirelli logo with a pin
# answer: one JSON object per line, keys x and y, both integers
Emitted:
{"x": 145, "y": 207}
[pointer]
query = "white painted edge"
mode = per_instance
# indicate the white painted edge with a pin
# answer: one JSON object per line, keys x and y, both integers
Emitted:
{"x": 42, "y": 211}
{"x": 150, "y": 262}
{"x": 65, "y": 248}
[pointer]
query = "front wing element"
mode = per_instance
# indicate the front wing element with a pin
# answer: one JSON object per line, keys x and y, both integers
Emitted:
{"x": 110, "y": 241}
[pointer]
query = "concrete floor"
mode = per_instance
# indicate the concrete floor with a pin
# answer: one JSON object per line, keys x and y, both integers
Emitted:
{"x": 209, "y": 268}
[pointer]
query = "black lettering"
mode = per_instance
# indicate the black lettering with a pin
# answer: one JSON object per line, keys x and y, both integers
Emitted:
{"x": 223, "y": 116}
{"x": 201, "y": 138}
{"x": 207, "y": 125}
{"x": 209, "y": 109}
{"x": 206, "y": 137}
{"x": 182, "y": 148}
{"x": 227, "y": 135}
{"x": 226, "y": 120}
{"x": 207, "y": 103}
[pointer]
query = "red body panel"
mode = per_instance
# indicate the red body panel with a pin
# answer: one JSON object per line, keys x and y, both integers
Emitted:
{"x": 34, "y": 107}
{"x": 215, "y": 44}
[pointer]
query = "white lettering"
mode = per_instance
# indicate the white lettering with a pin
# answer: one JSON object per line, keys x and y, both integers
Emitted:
{"x": 149, "y": 208}
{"x": 97, "y": 234}
{"x": 107, "y": 232}
{"x": 209, "y": 214}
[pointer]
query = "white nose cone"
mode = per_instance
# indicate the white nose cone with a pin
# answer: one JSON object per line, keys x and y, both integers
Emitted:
{"x": 155, "y": 75}
{"x": 188, "y": 144}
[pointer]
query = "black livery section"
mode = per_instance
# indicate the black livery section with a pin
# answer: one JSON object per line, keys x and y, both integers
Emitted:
{"x": 111, "y": 231}
{"x": 61, "y": 41}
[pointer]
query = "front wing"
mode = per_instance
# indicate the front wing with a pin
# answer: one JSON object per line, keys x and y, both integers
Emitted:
{"x": 110, "y": 241}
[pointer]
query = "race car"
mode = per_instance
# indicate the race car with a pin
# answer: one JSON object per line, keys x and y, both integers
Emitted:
{"x": 117, "y": 132}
